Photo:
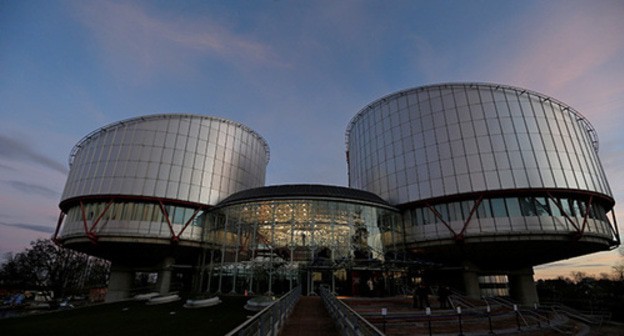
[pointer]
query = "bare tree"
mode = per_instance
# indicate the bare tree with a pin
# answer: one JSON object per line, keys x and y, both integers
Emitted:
{"x": 45, "y": 265}
{"x": 618, "y": 269}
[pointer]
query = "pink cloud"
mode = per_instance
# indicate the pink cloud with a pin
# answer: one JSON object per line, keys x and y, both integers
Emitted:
{"x": 144, "y": 42}
{"x": 554, "y": 47}
{"x": 592, "y": 265}
{"x": 567, "y": 52}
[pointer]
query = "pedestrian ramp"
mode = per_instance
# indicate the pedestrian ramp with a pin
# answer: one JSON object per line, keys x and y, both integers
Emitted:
{"x": 308, "y": 318}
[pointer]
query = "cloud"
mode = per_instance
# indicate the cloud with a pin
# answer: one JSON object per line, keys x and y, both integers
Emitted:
{"x": 556, "y": 264}
{"x": 30, "y": 188}
{"x": 3, "y": 166}
{"x": 31, "y": 227}
{"x": 570, "y": 52}
{"x": 17, "y": 150}
{"x": 144, "y": 42}
{"x": 554, "y": 51}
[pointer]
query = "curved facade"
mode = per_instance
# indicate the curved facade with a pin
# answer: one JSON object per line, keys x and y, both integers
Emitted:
{"x": 443, "y": 140}
{"x": 458, "y": 184}
{"x": 280, "y": 231}
{"x": 190, "y": 158}
{"x": 152, "y": 178}
{"x": 478, "y": 169}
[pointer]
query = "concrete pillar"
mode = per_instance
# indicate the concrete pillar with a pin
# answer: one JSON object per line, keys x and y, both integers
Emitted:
{"x": 522, "y": 287}
{"x": 119, "y": 284}
{"x": 471, "y": 281}
{"x": 163, "y": 284}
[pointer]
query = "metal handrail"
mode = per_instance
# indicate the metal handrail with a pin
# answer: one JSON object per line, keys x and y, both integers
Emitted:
{"x": 348, "y": 322}
{"x": 269, "y": 320}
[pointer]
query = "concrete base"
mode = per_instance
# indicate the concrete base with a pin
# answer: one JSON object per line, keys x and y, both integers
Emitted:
{"x": 163, "y": 284}
{"x": 120, "y": 283}
{"x": 471, "y": 281}
{"x": 522, "y": 287}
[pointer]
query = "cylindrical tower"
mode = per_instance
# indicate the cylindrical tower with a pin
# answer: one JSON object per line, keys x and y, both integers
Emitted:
{"x": 137, "y": 189}
{"x": 487, "y": 175}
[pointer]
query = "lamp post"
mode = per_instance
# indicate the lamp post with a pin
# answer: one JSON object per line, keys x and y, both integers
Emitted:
{"x": 384, "y": 312}
{"x": 515, "y": 307}
{"x": 489, "y": 314}
{"x": 459, "y": 315}
{"x": 428, "y": 312}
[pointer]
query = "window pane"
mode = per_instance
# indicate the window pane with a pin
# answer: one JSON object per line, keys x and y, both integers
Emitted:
{"x": 428, "y": 216}
{"x": 419, "y": 217}
{"x": 554, "y": 208}
{"x": 443, "y": 210}
{"x": 541, "y": 206}
{"x": 466, "y": 207}
{"x": 527, "y": 206}
{"x": 484, "y": 210}
{"x": 498, "y": 207}
{"x": 513, "y": 207}
{"x": 565, "y": 205}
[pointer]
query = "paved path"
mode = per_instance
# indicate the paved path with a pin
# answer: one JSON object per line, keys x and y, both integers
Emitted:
{"x": 309, "y": 318}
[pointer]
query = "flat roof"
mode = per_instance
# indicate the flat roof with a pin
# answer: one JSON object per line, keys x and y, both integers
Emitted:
{"x": 305, "y": 191}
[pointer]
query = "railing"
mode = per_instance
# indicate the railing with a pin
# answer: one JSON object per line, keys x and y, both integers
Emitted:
{"x": 592, "y": 317}
{"x": 348, "y": 322}
{"x": 270, "y": 320}
{"x": 499, "y": 315}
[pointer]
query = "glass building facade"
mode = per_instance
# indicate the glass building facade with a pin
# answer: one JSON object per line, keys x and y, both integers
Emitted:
{"x": 479, "y": 160}
{"x": 190, "y": 158}
{"x": 134, "y": 219}
{"x": 155, "y": 176}
{"x": 448, "y": 175}
{"x": 490, "y": 179}
{"x": 284, "y": 235}
{"x": 444, "y": 140}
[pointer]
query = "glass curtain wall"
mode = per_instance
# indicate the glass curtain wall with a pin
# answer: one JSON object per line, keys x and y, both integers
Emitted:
{"x": 512, "y": 214}
{"x": 125, "y": 218}
{"x": 270, "y": 246}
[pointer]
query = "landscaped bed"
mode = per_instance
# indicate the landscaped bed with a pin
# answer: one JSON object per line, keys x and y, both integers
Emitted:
{"x": 133, "y": 318}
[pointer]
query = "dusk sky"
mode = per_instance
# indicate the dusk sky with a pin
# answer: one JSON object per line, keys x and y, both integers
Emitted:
{"x": 294, "y": 71}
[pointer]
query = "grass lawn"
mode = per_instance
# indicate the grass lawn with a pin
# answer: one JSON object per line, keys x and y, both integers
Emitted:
{"x": 133, "y": 318}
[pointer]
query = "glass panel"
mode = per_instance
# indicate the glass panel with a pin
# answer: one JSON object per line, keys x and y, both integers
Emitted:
{"x": 443, "y": 211}
{"x": 541, "y": 206}
{"x": 126, "y": 213}
{"x": 484, "y": 210}
{"x": 579, "y": 208}
{"x": 513, "y": 207}
{"x": 419, "y": 217}
{"x": 498, "y": 207}
{"x": 566, "y": 206}
{"x": 554, "y": 207}
{"x": 428, "y": 216}
{"x": 527, "y": 206}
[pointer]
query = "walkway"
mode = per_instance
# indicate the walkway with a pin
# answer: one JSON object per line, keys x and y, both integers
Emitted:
{"x": 310, "y": 318}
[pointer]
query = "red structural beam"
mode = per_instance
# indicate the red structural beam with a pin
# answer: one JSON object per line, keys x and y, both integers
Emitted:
{"x": 563, "y": 213}
{"x": 84, "y": 218}
{"x": 437, "y": 214}
{"x": 166, "y": 215}
{"x": 91, "y": 230}
{"x": 589, "y": 205}
{"x": 616, "y": 231}
{"x": 469, "y": 219}
{"x": 177, "y": 237}
{"x": 58, "y": 227}
{"x": 95, "y": 223}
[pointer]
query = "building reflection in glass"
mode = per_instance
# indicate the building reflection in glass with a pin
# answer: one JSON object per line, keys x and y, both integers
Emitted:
{"x": 270, "y": 246}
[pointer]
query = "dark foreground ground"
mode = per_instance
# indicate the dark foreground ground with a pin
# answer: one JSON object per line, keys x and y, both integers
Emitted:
{"x": 132, "y": 318}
